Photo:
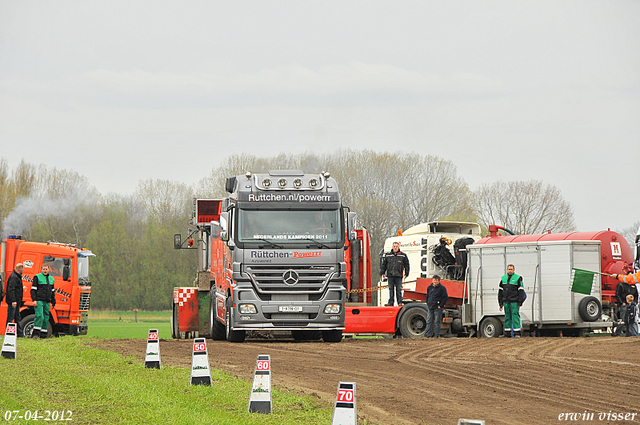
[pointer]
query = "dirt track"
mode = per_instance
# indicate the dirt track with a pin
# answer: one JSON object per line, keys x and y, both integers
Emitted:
{"x": 524, "y": 381}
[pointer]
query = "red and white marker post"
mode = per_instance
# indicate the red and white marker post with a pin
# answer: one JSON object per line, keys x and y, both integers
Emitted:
{"x": 345, "y": 412}
{"x": 200, "y": 372}
{"x": 152, "y": 357}
{"x": 9, "y": 342}
{"x": 260, "y": 397}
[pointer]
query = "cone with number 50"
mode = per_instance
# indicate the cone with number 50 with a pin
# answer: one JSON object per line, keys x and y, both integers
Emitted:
{"x": 200, "y": 372}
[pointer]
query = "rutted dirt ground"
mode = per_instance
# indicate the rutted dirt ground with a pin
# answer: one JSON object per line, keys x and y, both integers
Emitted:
{"x": 524, "y": 381}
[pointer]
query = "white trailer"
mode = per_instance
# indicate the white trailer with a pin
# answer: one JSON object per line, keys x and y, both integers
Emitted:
{"x": 546, "y": 268}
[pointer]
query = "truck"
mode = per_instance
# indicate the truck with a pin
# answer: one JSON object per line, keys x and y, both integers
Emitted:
{"x": 70, "y": 270}
{"x": 271, "y": 257}
{"x": 546, "y": 261}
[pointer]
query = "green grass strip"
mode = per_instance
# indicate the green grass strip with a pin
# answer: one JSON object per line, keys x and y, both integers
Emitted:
{"x": 102, "y": 387}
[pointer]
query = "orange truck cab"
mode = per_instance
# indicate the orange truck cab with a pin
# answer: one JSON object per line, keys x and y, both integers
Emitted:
{"x": 70, "y": 270}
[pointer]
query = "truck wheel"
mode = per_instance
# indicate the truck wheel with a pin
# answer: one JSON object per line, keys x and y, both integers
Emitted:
{"x": 332, "y": 336}
{"x": 590, "y": 309}
{"x": 306, "y": 335}
{"x": 491, "y": 327}
{"x": 175, "y": 325}
{"x": 232, "y": 336}
{"x": 27, "y": 326}
{"x": 413, "y": 322}
{"x": 216, "y": 328}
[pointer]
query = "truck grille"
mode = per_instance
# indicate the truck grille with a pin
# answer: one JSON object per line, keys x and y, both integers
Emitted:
{"x": 269, "y": 279}
{"x": 85, "y": 301}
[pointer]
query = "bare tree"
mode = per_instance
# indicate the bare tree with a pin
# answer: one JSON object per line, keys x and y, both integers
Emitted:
{"x": 525, "y": 207}
{"x": 629, "y": 233}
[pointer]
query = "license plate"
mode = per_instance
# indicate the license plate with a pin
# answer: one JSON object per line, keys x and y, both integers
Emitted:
{"x": 290, "y": 309}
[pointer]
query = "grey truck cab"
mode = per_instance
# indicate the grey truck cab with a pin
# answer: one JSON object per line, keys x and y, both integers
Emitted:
{"x": 285, "y": 232}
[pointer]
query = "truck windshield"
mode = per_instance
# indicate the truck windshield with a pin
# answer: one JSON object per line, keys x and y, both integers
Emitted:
{"x": 289, "y": 226}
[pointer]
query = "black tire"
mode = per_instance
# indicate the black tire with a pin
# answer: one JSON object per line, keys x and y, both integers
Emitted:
{"x": 413, "y": 321}
{"x": 332, "y": 336}
{"x": 590, "y": 309}
{"x": 306, "y": 335}
{"x": 232, "y": 335}
{"x": 491, "y": 327}
{"x": 175, "y": 325}
{"x": 217, "y": 329}
{"x": 27, "y": 326}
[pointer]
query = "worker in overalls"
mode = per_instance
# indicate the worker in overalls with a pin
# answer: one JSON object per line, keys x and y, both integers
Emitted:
{"x": 43, "y": 296}
{"x": 511, "y": 297}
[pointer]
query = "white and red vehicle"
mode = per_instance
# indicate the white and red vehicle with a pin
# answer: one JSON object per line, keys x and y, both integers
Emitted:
{"x": 546, "y": 262}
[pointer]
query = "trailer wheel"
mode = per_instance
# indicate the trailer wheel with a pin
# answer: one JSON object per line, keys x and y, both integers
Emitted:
{"x": 590, "y": 309}
{"x": 216, "y": 328}
{"x": 491, "y": 327}
{"x": 306, "y": 335}
{"x": 413, "y": 322}
{"x": 175, "y": 326}
{"x": 232, "y": 336}
{"x": 332, "y": 336}
{"x": 27, "y": 326}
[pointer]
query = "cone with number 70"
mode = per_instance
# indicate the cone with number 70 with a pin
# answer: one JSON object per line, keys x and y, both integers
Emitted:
{"x": 345, "y": 412}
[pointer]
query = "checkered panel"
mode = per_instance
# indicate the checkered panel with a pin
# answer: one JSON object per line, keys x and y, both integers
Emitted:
{"x": 184, "y": 294}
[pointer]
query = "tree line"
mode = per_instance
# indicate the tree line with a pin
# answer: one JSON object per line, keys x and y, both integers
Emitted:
{"x": 132, "y": 235}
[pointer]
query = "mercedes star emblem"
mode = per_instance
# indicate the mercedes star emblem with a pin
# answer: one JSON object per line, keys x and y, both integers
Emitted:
{"x": 290, "y": 277}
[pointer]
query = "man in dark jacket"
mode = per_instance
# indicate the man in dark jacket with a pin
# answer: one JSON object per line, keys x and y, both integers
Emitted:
{"x": 511, "y": 297}
{"x": 14, "y": 297}
{"x": 394, "y": 264}
{"x": 626, "y": 286}
{"x": 437, "y": 297}
{"x": 42, "y": 294}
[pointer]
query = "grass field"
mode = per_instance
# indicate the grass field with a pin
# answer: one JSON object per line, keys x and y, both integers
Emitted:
{"x": 122, "y": 324}
{"x": 101, "y": 387}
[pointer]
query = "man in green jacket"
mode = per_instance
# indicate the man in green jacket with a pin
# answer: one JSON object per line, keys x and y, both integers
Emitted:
{"x": 511, "y": 297}
{"x": 43, "y": 295}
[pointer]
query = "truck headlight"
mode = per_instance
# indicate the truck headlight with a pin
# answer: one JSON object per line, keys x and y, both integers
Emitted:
{"x": 332, "y": 309}
{"x": 247, "y": 309}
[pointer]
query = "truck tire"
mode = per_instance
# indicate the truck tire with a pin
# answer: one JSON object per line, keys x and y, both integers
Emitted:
{"x": 590, "y": 309}
{"x": 491, "y": 327}
{"x": 27, "y": 326}
{"x": 232, "y": 336}
{"x": 175, "y": 326}
{"x": 413, "y": 321}
{"x": 306, "y": 335}
{"x": 216, "y": 328}
{"x": 332, "y": 336}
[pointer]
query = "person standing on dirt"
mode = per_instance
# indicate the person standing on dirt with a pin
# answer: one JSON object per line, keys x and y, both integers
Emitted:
{"x": 631, "y": 318}
{"x": 14, "y": 297}
{"x": 511, "y": 297}
{"x": 626, "y": 286}
{"x": 43, "y": 296}
{"x": 437, "y": 297}
{"x": 394, "y": 264}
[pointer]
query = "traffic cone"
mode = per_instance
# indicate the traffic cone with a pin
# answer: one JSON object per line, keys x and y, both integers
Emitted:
{"x": 344, "y": 412}
{"x": 152, "y": 358}
{"x": 9, "y": 342}
{"x": 260, "y": 397}
{"x": 200, "y": 372}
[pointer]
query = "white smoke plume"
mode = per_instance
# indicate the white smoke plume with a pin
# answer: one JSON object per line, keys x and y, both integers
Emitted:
{"x": 42, "y": 204}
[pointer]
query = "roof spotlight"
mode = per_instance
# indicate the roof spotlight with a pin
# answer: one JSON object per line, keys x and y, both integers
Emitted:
{"x": 282, "y": 182}
{"x": 266, "y": 182}
{"x": 313, "y": 183}
{"x": 297, "y": 182}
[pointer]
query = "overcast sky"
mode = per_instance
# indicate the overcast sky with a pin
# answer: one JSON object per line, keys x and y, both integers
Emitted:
{"x": 125, "y": 91}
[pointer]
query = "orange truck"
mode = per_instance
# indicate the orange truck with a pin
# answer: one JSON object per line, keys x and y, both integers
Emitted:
{"x": 70, "y": 270}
